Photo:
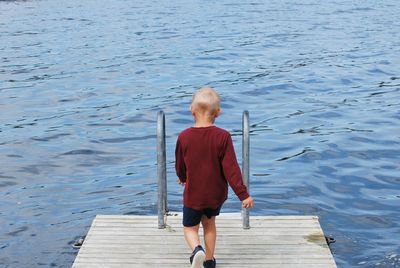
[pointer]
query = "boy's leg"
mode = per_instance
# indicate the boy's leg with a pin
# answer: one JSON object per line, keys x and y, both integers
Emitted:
{"x": 192, "y": 236}
{"x": 192, "y": 239}
{"x": 191, "y": 222}
{"x": 210, "y": 235}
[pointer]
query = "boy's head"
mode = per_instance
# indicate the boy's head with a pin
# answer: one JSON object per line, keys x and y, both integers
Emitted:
{"x": 206, "y": 102}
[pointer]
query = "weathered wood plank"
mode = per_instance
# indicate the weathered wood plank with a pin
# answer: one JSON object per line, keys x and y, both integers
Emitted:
{"x": 226, "y": 261}
{"x": 178, "y": 215}
{"x": 183, "y": 248}
{"x": 251, "y": 253}
{"x": 227, "y": 231}
{"x": 224, "y": 222}
{"x": 228, "y": 256}
{"x": 150, "y": 265}
{"x": 272, "y": 241}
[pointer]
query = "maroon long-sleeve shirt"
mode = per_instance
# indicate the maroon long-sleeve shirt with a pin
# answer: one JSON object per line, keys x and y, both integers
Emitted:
{"x": 206, "y": 161}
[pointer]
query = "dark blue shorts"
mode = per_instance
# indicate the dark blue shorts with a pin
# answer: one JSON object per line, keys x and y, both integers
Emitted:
{"x": 192, "y": 217}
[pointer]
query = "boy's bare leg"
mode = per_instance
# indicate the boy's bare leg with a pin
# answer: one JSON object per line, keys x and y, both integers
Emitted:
{"x": 192, "y": 236}
{"x": 210, "y": 236}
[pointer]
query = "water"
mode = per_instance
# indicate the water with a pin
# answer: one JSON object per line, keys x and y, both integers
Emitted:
{"x": 81, "y": 82}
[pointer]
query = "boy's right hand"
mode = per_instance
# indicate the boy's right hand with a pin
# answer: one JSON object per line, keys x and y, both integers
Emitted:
{"x": 181, "y": 182}
{"x": 248, "y": 202}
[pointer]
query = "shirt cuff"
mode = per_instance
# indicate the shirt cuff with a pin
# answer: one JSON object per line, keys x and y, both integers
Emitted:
{"x": 243, "y": 196}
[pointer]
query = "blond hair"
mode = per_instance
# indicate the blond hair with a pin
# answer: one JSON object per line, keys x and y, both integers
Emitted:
{"x": 206, "y": 100}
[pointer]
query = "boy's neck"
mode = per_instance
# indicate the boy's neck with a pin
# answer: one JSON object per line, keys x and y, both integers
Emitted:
{"x": 203, "y": 121}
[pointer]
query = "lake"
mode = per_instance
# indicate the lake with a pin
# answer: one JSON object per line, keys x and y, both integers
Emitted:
{"x": 81, "y": 83}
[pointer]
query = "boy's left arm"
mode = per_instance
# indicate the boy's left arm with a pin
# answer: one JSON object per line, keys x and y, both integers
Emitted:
{"x": 180, "y": 166}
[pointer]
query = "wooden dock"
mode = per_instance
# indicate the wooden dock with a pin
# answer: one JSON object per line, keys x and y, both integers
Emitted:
{"x": 272, "y": 241}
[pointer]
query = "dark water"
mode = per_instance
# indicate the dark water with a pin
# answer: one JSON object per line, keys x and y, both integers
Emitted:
{"x": 81, "y": 82}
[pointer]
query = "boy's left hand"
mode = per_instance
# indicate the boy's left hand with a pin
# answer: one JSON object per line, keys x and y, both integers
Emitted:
{"x": 181, "y": 182}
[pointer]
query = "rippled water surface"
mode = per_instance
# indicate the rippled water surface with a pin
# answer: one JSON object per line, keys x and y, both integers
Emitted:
{"x": 81, "y": 83}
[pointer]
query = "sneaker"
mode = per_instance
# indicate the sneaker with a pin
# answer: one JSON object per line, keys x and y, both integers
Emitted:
{"x": 210, "y": 263}
{"x": 197, "y": 257}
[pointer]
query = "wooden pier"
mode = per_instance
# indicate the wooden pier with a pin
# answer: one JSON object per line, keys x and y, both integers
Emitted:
{"x": 271, "y": 241}
{"x": 157, "y": 241}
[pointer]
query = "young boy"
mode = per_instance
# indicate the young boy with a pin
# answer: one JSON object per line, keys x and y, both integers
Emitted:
{"x": 205, "y": 164}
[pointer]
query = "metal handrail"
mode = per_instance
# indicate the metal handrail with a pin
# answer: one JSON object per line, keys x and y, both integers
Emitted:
{"x": 162, "y": 168}
{"x": 246, "y": 164}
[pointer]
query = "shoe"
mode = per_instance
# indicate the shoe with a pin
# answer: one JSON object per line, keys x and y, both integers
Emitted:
{"x": 210, "y": 263}
{"x": 197, "y": 257}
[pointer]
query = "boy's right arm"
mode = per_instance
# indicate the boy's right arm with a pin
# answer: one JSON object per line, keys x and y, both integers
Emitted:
{"x": 232, "y": 172}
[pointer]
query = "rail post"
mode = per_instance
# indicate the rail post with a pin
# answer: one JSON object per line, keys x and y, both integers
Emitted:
{"x": 246, "y": 164}
{"x": 161, "y": 170}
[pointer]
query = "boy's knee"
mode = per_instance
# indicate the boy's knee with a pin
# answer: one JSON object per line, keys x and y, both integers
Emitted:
{"x": 194, "y": 228}
{"x": 207, "y": 221}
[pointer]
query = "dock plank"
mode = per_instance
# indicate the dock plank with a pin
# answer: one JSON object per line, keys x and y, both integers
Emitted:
{"x": 272, "y": 241}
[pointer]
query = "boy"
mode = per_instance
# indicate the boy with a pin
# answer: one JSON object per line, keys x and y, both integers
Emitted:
{"x": 205, "y": 164}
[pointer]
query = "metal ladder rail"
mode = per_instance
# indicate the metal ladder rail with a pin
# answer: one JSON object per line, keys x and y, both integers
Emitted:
{"x": 161, "y": 170}
{"x": 162, "y": 167}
